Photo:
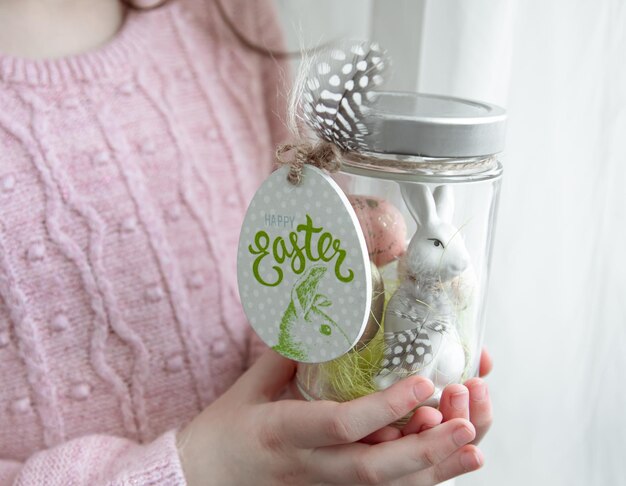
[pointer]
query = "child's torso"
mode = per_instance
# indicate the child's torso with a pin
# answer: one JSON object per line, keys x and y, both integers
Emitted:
{"x": 120, "y": 206}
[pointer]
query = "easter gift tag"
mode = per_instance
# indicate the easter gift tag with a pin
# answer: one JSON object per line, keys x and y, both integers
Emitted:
{"x": 303, "y": 268}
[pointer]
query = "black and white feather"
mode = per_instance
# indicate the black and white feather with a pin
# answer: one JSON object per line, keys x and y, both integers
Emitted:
{"x": 338, "y": 91}
{"x": 411, "y": 348}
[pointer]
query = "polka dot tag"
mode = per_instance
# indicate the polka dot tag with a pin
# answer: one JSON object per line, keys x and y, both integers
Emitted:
{"x": 297, "y": 301}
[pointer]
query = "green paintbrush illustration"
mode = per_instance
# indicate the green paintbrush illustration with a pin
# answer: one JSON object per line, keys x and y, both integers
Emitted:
{"x": 304, "y": 310}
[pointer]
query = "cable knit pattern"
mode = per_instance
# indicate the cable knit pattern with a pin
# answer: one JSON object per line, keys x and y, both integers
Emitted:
{"x": 124, "y": 176}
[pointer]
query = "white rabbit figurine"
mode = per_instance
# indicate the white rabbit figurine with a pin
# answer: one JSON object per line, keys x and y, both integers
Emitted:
{"x": 436, "y": 282}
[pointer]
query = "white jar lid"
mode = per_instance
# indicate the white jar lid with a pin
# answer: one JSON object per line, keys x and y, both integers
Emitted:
{"x": 435, "y": 126}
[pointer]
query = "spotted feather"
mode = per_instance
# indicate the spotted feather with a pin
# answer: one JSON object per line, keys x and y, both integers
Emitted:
{"x": 339, "y": 90}
{"x": 411, "y": 350}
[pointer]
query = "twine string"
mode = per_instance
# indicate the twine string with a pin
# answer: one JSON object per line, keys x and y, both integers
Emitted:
{"x": 328, "y": 156}
{"x": 323, "y": 155}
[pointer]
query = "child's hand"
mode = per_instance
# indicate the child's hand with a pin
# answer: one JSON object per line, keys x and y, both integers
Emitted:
{"x": 470, "y": 401}
{"x": 245, "y": 437}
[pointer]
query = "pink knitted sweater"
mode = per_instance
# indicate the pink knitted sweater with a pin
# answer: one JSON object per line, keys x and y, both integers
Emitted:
{"x": 124, "y": 176}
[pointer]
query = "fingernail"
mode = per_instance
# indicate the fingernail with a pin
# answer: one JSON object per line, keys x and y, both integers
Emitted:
{"x": 479, "y": 391}
{"x": 459, "y": 400}
{"x": 470, "y": 461}
{"x": 462, "y": 435}
{"x": 423, "y": 390}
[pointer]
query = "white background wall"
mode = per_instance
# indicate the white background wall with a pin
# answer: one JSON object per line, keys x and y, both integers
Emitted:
{"x": 557, "y": 325}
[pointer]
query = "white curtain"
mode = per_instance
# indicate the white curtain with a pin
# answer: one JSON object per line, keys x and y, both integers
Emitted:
{"x": 557, "y": 307}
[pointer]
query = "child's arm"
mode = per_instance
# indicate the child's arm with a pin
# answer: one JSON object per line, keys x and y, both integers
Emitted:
{"x": 99, "y": 459}
{"x": 246, "y": 438}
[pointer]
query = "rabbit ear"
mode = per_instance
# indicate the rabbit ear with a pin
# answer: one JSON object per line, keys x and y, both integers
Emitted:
{"x": 444, "y": 200}
{"x": 420, "y": 202}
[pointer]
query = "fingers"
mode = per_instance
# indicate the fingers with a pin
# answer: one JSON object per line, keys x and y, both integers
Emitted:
{"x": 486, "y": 363}
{"x": 267, "y": 378}
{"x": 325, "y": 423}
{"x": 469, "y": 402}
{"x": 424, "y": 418}
{"x": 467, "y": 459}
{"x": 382, "y": 435}
{"x": 480, "y": 408}
{"x": 454, "y": 402}
{"x": 388, "y": 461}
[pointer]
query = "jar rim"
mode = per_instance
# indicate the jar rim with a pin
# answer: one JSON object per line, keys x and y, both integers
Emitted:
{"x": 431, "y": 125}
{"x": 405, "y": 168}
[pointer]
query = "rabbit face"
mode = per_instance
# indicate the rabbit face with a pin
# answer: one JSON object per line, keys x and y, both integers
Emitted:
{"x": 437, "y": 249}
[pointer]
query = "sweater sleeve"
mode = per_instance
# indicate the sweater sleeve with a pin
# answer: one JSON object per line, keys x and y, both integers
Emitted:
{"x": 99, "y": 459}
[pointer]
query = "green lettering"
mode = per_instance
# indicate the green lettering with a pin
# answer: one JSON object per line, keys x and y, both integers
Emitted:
{"x": 262, "y": 241}
{"x": 280, "y": 250}
{"x": 327, "y": 249}
{"x": 298, "y": 262}
{"x": 340, "y": 259}
{"x": 309, "y": 229}
{"x": 323, "y": 245}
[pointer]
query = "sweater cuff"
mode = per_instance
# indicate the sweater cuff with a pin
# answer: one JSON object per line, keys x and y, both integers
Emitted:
{"x": 158, "y": 463}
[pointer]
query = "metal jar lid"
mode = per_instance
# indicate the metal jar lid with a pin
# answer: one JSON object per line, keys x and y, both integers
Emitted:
{"x": 435, "y": 126}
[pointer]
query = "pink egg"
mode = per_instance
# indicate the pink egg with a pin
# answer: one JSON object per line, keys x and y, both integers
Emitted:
{"x": 383, "y": 226}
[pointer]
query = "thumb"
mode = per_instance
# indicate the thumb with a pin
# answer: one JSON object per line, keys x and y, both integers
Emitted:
{"x": 267, "y": 378}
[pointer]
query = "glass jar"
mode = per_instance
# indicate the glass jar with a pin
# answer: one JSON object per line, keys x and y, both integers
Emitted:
{"x": 426, "y": 198}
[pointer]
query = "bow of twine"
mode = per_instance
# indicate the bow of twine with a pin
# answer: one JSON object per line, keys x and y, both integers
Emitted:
{"x": 323, "y": 155}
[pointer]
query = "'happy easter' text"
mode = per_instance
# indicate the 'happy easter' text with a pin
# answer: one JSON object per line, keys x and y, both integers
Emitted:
{"x": 299, "y": 252}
